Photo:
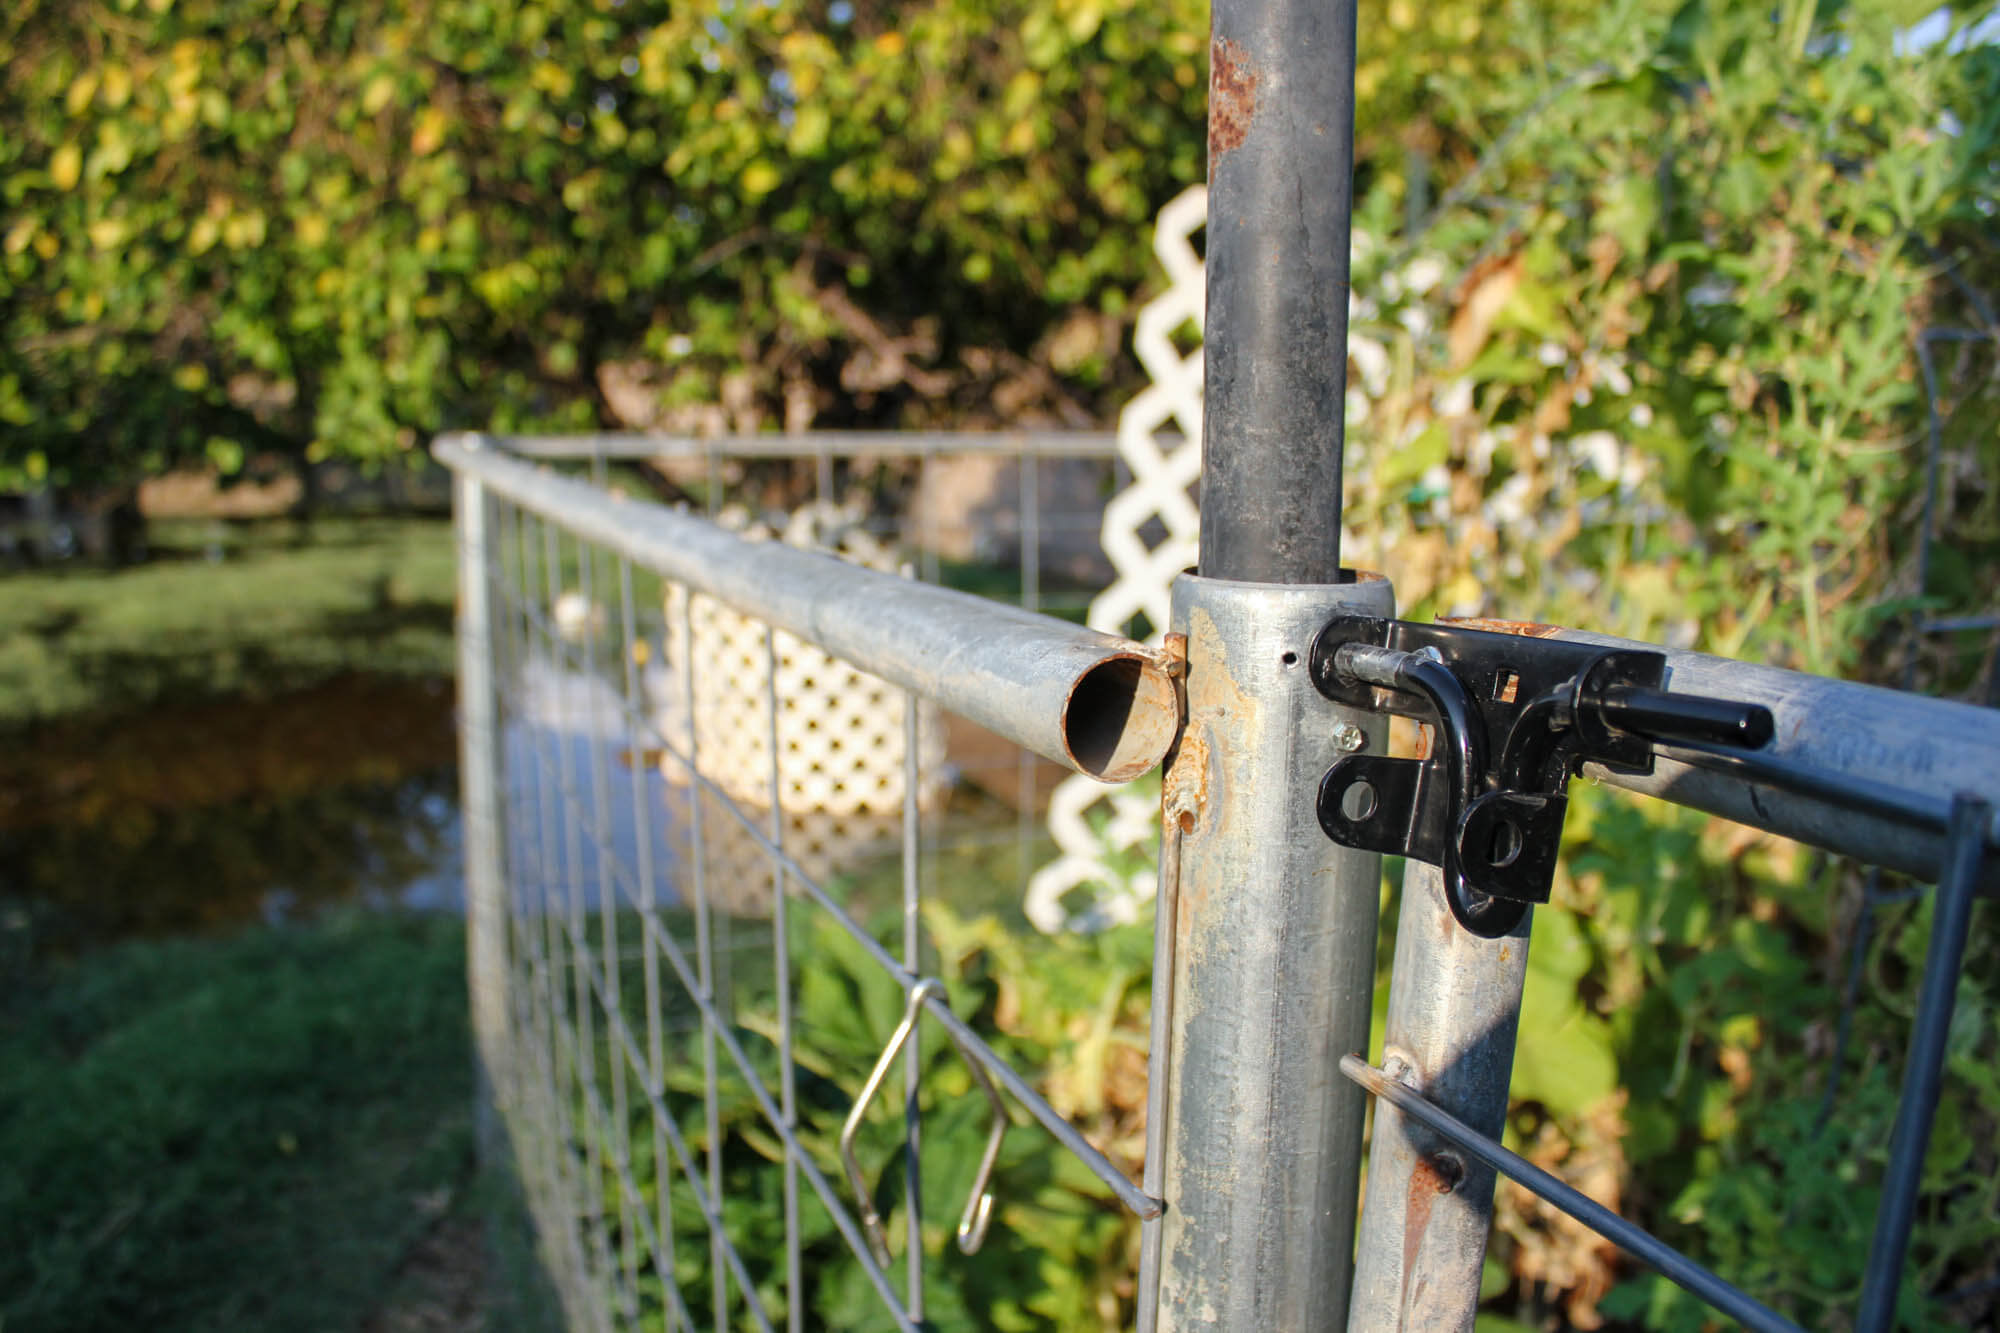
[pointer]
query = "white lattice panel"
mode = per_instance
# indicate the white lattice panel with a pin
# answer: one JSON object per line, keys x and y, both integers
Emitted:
{"x": 839, "y": 734}
{"x": 1151, "y": 533}
{"x": 1151, "y": 529}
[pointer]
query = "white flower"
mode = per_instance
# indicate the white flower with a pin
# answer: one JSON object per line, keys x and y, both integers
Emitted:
{"x": 1602, "y": 449}
{"x": 1423, "y": 274}
{"x": 1454, "y": 399}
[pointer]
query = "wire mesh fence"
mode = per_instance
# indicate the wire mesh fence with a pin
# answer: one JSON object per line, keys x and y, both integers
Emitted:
{"x": 712, "y": 875}
{"x": 703, "y": 834}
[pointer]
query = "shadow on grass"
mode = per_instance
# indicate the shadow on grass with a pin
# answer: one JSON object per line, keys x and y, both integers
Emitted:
{"x": 257, "y": 1132}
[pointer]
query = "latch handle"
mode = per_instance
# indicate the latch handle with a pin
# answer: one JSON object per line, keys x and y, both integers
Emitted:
{"x": 1513, "y": 720}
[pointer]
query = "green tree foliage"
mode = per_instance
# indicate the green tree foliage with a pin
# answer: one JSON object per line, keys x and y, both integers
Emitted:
{"x": 234, "y": 226}
{"x": 306, "y": 228}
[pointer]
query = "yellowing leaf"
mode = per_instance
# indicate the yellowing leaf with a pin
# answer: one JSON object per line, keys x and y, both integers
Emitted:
{"x": 243, "y": 231}
{"x": 377, "y": 94}
{"x": 114, "y": 150}
{"x": 760, "y": 178}
{"x": 428, "y": 135}
{"x": 191, "y": 377}
{"x": 18, "y": 236}
{"x": 114, "y": 87}
{"x": 552, "y": 79}
{"x": 106, "y": 233}
{"x": 81, "y": 90}
{"x": 66, "y": 166}
{"x": 889, "y": 44}
{"x": 809, "y": 129}
{"x": 311, "y": 230}
{"x": 203, "y": 235}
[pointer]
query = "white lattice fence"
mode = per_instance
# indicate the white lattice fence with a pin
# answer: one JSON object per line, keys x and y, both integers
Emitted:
{"x": 1150, "y": 534}
{"x": 840, "y": 733}
{"x": 1151, "y": 529}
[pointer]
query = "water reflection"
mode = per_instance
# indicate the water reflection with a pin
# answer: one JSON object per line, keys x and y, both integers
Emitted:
{"x": 206, "y": 815}
{"x": 588, "y": 811}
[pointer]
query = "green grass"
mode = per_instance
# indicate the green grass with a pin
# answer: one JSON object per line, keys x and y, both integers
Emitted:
{"x": 227, "y": 608}
{"x": 244, "y": 1133}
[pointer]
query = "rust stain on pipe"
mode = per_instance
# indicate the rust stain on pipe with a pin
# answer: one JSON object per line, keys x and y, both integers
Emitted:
{"x": 1120, "y": 717}
{"x": 1217, "y": 710}
{"x": 1526, "y": 629}
{"x": 1428, "y": 1179}
{"x": 1232, "y": 98}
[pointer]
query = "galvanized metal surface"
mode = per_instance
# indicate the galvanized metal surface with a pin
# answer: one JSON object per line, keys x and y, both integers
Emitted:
{"x": 1454, "y": 1006}
{"x": 1487, "y": 1150}
{"x": 1932, "y": 748}
{"x": 1093, "y": 702}
{"x": 815, "y": 443}
{"x": 479, "y": 771}
{"x": 1273, "y": 947}
{"x": 1280, "y": 187}
{"x": 585, "y": 895}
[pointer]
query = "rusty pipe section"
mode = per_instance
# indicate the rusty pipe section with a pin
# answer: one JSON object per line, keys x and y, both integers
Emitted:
{"x": 1272, "y": 971}
{"x": 1280, "y": 205}
{"x": 1101, "y": 705}
{"x": 1454, "y": 1007}
{"x": 1930, "y": 746}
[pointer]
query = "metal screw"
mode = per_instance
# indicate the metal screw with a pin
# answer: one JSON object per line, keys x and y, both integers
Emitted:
{"x": 1430, "y": 653}
{"x": 1349, "y": 737}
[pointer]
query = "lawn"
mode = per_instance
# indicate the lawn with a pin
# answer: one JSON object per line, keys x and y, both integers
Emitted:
{"x": 270, "y": 1130}
{"x": 225, "y": 609}
{"x": 263, "y": 1126}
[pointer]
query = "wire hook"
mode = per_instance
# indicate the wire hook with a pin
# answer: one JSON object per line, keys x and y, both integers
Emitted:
{"x": 978, "y": 1214}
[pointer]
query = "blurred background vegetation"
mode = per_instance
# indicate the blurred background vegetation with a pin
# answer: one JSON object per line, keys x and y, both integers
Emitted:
{"x": 1663, "y": 297}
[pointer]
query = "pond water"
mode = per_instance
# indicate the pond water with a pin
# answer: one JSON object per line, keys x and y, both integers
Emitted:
{"x": 206, "y": 815}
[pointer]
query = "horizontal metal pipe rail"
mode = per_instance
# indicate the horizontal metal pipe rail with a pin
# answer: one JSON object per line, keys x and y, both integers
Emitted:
{"x": 1896, "y": 759}
{"x": 1101, "y": 705}
{"x": 1061, "y": 1130}
{"x": 588, "y": 1077}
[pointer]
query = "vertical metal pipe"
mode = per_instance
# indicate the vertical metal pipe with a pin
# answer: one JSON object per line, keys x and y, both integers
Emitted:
{"x": 1951, "y": 921}
{"x": 480, "y": 785}
{"x": 1454, "y": 1006}
{"x": 1273, "y": 950}
{"x": 1280, "y": 194}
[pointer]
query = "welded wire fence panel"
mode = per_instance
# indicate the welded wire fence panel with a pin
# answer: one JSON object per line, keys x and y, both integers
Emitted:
{"x": 699, "y": 978}
{"x": 1015, "y": 517}
{"x": 716, "y": 976}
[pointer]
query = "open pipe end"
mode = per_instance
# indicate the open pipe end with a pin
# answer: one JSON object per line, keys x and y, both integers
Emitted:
{"x": 1120, "y": 718}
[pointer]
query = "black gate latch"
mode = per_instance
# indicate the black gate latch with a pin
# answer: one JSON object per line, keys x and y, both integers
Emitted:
{"x": 1513, "y": 718}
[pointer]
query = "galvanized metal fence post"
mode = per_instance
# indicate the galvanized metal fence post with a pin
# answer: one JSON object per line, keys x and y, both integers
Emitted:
{"x": 1265, "y": 952}
{"x": 479, "y": 779}
{"x": 1454, "y": 1007}
{"x": 1270, "y": 933}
